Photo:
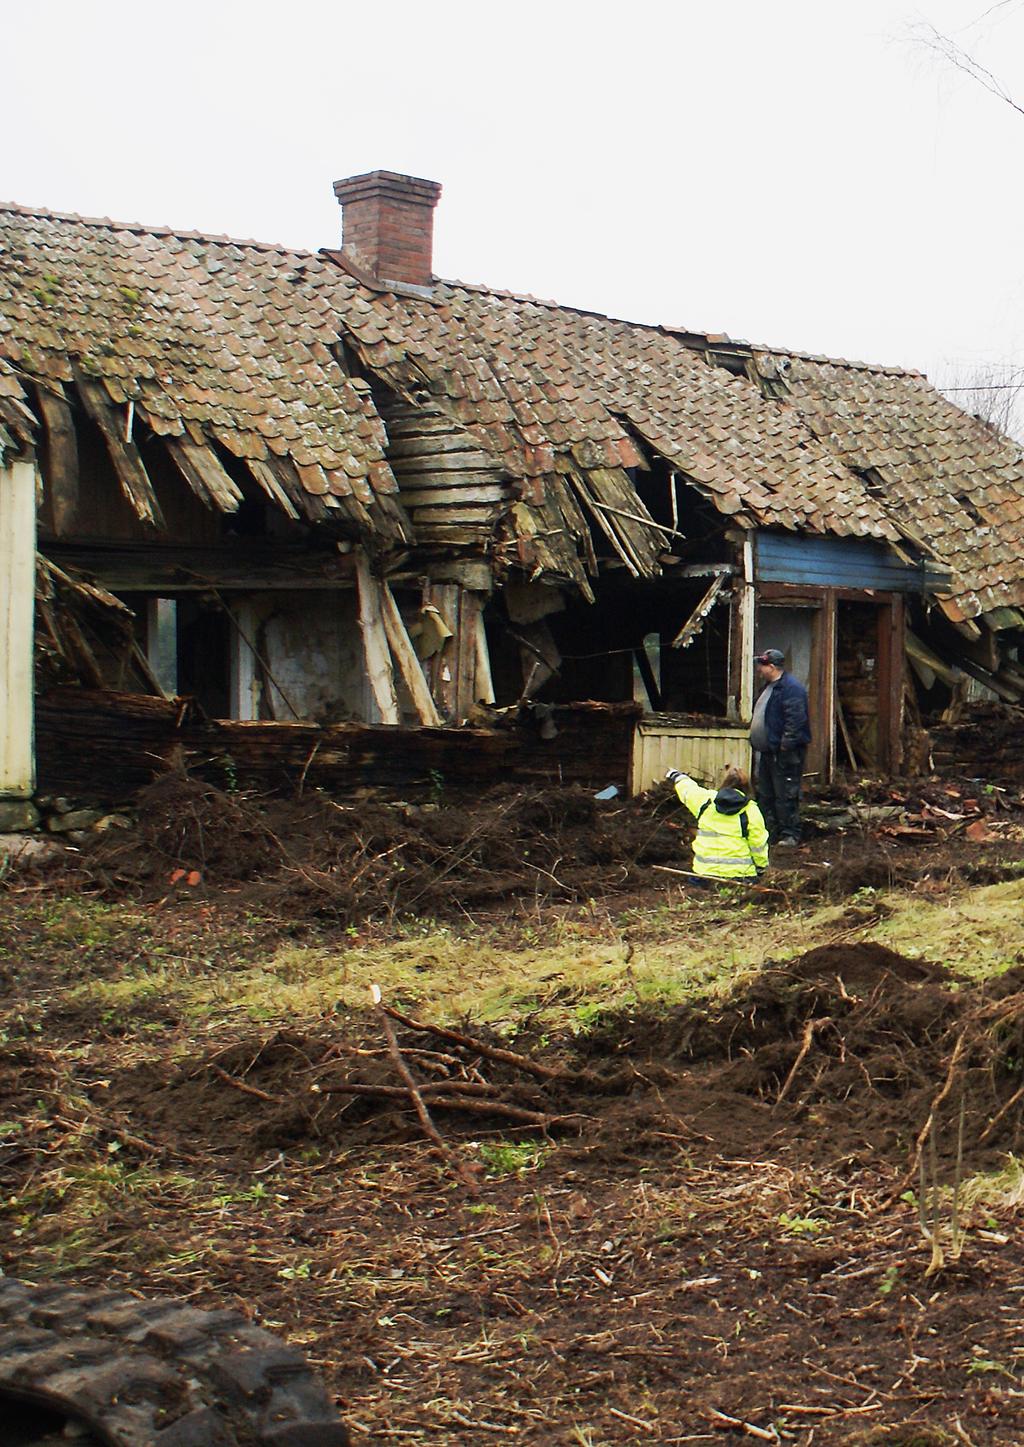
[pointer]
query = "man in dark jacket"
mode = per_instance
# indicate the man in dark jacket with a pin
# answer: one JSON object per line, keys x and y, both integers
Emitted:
{"x": 779, "y": 734}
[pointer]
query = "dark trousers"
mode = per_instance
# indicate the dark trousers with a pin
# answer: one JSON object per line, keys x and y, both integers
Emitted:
{"x": 779, "y": 776}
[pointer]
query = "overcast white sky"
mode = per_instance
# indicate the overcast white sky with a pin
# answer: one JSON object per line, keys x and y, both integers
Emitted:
{"x": 800, "y": 173}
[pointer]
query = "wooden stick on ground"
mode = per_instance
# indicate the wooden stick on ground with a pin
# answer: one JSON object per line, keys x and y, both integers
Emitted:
{"x": 805, "y": 1044}
{"x": 241, "y": 1085}
{"x": 760, "y": 1432}
{"x": 999, "y": 1115}
{"x": 454, "y": 1098}
{"x": 457, "y": 1168}
{"x": 492, "y": 1052}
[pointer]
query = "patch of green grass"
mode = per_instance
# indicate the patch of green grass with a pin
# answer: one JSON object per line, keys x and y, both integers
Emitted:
{"x": 976, "y": 932}
{"x": 802, "y": 1225}
{"x": 573, "y": 971}
{"x": 511, "y": 1158}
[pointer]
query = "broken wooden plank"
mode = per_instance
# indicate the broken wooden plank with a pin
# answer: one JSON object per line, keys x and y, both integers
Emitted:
{"x": 286, "y": 475}
{"x": 924, "y": 658}
{"x": 614, "y": 488}
{"x": 484, "y": 678}
{"x": 999, "y": 686}
{"x": 444, "y": 664}
{"x": 605, "y": 523}
{"x": 268, "y": 480}
{"x": 375, "y": 643}
{"x": 473, "y": 492}
{"x": 61, "y": 476}
{"x": 408, "y": 663}
{"x": 470, "y": 608}
{"x": 124, "y": 455}
{"x": 204, "y": 473}
{"x": 636, "y": 518}
{"x": 691, "y": 628}
{"x": 449, "y": 462}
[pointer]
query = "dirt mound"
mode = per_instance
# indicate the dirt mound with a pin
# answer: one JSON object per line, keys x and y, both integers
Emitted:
{"x": 863, "y": 964}
{"x": 313, "y": 857}
{"x": 852, "y": 1047}
{"x": 185, "y": 824}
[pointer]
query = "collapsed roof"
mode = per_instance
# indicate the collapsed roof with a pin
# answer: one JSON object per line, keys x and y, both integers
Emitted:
{"x": 280, "y": 358}
{"x": 211, "y": 342}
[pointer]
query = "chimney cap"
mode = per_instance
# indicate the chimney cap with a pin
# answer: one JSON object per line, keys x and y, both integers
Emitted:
{"x": 390, "y": 183}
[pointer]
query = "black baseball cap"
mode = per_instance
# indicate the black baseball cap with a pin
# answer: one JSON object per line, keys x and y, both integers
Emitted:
{"x": 771, "y": 655}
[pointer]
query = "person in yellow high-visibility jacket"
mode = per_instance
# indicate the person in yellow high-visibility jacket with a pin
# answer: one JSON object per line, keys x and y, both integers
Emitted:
{"x": 732, "y": 839}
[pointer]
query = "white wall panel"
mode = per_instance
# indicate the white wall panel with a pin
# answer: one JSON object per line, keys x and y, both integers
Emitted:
{"x": 17, "y": 616}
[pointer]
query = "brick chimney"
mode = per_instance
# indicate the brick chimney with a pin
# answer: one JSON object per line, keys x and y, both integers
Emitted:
{"x": 388, "y": 225}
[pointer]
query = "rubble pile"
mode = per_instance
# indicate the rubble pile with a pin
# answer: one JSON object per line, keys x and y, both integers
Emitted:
{"x": 986, "y": 743}
{"x": 313, "y": 856}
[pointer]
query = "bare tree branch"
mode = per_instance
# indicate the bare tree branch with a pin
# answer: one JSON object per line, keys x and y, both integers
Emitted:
{"x": 954, "y": 54}
{"x": 992, "y": 392}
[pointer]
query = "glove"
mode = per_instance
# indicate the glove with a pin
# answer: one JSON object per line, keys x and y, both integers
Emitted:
{"x": 674, "y": 775}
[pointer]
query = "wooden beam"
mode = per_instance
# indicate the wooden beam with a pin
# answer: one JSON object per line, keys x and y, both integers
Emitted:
{"x": 408, "y": 664}
{"x": 691, "y": 628}
{"x": 202, "y": 470}
{"x": 454, "y": 497}
{"x": 444, "y": 664}
{"x": 484, "y": 678}
{"x": 844, "y": 730}
{"x": 618, "y": 541}
{"x": 470, "y": 607}
{"x": 747, "y": 626}
{"x": 158, "y": 567}
{"x": 124, "y": 455}
{"x": 61, "y": 477}
{"x": 831, "y": 713}
{"x": 375, "y": 642}
{"x": 892, "y": 656}
{"x": 271, "y": 485}
{"x": 85, "y": 659}
{"x": 636, "y": 518}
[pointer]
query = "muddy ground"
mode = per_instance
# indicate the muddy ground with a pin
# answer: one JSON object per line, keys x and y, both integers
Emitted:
{"x": 727, "y": 1221}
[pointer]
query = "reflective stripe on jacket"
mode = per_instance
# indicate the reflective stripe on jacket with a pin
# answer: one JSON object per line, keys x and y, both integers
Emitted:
{"x": 720, "y": 850}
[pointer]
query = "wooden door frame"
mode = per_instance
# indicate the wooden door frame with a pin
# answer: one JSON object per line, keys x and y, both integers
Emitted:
{"x": 891, "y": 622}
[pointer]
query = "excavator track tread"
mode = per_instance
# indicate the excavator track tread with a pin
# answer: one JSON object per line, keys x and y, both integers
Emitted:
{"x": 156, "y": 1373}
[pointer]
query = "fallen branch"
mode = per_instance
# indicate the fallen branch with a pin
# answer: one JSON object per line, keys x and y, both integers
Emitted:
{"x": 805, "y": 1044}
{"x": 241, "y": 1085}
{"x": 458, "y": 1169}
{"x": 431, "y": 1090}
{"x": 760, "y": 1432}
{"x": 634, "y": 1421}
{"x": 451, "y": 1098}
{"x": 1000, "y": 1114}
{"x": 492, "y": 1052}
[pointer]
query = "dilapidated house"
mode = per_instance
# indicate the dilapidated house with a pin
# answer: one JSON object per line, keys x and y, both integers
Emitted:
{"x": 326, "y": 508}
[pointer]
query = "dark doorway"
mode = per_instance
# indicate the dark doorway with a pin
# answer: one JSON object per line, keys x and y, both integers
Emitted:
{"x": 204, "y": 654}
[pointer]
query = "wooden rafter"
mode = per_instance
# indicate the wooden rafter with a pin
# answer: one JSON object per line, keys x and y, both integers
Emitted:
{"x": 202, "y": 470}
{"x": 62, "y": 482}
{"x": 124, "y": 455}
{"x": 693, "y": 625}
{"x": 375, "y": 643}
{"x": 408, "y": 663}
